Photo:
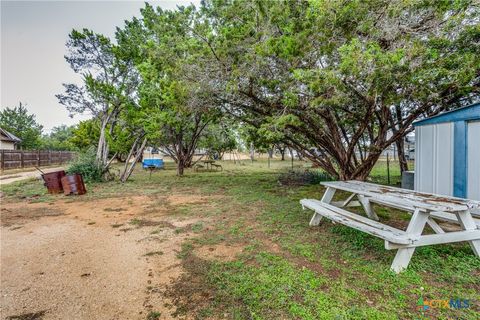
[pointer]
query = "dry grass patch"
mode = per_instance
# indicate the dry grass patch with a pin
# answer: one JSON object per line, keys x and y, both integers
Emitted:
{"x": 220, "y": 252}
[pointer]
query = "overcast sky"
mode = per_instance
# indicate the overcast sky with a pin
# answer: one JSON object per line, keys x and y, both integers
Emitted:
{"x": 33, "y": 36}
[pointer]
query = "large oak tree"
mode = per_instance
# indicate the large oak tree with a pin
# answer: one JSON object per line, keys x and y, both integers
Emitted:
{"x": 342, "y": 80}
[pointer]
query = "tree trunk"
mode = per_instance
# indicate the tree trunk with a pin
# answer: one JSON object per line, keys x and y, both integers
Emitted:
{"x": 180, "y": 166}
{"x": 282, "y": 152}
{"x": 129, "y": 157}
{"x": 291, "y": 155}
{"x": 102, "y": 143}
{"x": 252, "y": 152}
{"x": 400, "y": 142}
{"x": 138, "y": 154}
{"x": 402, "y": 160}
{"x": 366, "y": 168}
{"x": 270, "y": 153}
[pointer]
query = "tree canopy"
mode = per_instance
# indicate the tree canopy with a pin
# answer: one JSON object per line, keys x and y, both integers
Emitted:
{"x": 338, "y": 81}
{"x": 60, "y": 138}
{"x": 19, "y": 122}
{"x": 339, "y": 76}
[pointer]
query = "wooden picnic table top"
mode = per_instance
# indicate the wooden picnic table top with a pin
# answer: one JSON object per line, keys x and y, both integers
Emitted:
{"x": 406, "y": 198}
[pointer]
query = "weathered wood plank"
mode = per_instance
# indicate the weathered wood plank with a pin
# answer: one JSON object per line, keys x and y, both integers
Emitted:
{"x": 450, "y": 217}
{"x": 357, "y": 222}
{"x": 434, "y": 225}
{"x": 432, "y": 239}
{"x": 327, "y": 198}
{"x": 367, "y": 207}
{"x": 406, "y": 198}
{"x": 415, "y": 228}
{"x": 467, "y": 223}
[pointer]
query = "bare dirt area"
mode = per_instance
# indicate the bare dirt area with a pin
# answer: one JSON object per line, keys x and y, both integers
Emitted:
{"x": 220, "y": 252}
{"x": 99, "y": 259}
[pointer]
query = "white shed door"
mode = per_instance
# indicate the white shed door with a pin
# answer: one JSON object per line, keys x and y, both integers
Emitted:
{"x": 434, "y": 158}
{"x": 473, "y": 158}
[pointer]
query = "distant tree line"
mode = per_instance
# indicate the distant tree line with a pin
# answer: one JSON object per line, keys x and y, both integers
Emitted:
{"x": 19, "y": 122}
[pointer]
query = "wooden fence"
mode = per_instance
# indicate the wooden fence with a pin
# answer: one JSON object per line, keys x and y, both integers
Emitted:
{"x": 12, "y": 159}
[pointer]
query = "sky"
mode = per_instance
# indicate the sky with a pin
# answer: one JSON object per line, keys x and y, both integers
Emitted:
{"x": 33, "y": 37}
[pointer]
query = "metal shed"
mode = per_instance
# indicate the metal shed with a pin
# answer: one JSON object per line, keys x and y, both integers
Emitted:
{"x": 447, "y": 159}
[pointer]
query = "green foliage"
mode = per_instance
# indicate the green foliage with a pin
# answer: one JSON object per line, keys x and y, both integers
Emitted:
{"x": 59, "y": 139}
{"x": 218, "y": 139}
{"x": 87, "y": 165}
{"x": 336, "y": 76}
{"x": 85, "y": 134}
{"x": 174, "y": 108}
{"x": 108, "y": 92}
{"x": 23, "y": 125}
{"x": 331, "y": 79}
{"x": 260, "y": 138}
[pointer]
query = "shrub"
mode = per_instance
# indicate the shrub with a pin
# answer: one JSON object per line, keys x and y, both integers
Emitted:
{"x": 86, "y": 165}
{"x": 303, "y": 177}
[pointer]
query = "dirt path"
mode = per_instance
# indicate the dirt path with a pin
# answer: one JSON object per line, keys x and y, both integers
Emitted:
{"x": 89, "y": 260}
{"x": 18, "y": 176}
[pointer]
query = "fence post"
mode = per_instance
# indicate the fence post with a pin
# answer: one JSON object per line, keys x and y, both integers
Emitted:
{"x": 49, "y": 157}
{"x": 388, "y": 170}
{"x": 38, "y": 158}
{"x": 3, "y": 160}
{"x": 21, "y": 159}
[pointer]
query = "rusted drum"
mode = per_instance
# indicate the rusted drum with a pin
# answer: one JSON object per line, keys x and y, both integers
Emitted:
{"x": 53, "y": 181}
{"x": 73, "y": 184}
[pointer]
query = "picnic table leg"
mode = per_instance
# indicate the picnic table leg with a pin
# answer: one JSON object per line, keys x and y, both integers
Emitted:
{"x": 327, "y": 198}
{"x": 467, "y": 223}
{"x": 415, "y": 228}
{"x": 367, "y": 206}
{"x": 434, "y": 225}
{"x": 349, "y": 199}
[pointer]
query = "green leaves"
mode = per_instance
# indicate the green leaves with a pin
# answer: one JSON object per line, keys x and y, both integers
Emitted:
{"x": 23, "y": 125}
{"x": 331, "y": 75}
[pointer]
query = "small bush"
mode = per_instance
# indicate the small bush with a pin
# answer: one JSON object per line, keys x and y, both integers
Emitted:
{"x": 86, "y": 165}
{"x": 303, "y": 177}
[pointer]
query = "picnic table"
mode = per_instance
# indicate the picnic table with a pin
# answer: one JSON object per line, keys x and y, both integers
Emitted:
{"x": 209, "y": 164}
{"x": 425, "y": 208}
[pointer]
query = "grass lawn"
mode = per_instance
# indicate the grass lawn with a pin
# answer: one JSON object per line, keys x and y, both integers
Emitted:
{"x": 286, "y": 269}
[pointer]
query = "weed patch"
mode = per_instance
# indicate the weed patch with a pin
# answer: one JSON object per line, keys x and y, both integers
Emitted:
{"x": 28, "y": 316}
{"x": 154, "y": 253}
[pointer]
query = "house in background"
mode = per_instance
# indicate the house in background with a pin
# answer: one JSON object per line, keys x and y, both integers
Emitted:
{"x": 8, "y": 141}
{"x": 447, "y": 159}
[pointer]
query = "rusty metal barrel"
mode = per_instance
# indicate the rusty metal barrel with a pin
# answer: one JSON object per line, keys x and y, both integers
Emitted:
{"x": 52, "y": 181}
{"x": 73, "y": 184}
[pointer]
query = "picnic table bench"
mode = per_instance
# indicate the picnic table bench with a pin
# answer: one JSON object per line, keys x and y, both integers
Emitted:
{"x": 425, "y": 208}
